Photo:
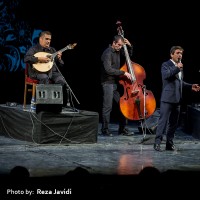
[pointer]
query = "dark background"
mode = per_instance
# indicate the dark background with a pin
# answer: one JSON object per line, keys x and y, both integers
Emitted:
{"x": 152, "y": 28}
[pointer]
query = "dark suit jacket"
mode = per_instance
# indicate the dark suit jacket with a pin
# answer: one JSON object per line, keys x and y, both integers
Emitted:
{"x": 172, "y": 85}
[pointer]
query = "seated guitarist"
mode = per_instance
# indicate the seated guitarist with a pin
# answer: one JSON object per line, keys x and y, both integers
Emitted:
{"x": 52, "y": 75}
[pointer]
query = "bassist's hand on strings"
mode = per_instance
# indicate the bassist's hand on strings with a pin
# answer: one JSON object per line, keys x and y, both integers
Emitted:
{"x": 128, "y": 75}
{"x": 127, "y": 42}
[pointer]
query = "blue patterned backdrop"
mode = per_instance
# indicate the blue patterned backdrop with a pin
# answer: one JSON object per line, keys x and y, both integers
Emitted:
{"x": 16, "y": 37}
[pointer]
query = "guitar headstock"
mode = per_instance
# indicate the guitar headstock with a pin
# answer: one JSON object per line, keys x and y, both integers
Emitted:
{"x": 119, "y": 28}
{"x": 71, "y": 46}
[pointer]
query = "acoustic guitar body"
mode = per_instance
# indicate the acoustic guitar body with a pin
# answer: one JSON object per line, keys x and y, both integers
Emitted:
{"x": 43, "y": 67}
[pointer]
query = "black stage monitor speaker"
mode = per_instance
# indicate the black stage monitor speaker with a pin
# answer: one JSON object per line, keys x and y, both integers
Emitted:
{"x": 151, "y": 123}
{"x": 49, "y": 97}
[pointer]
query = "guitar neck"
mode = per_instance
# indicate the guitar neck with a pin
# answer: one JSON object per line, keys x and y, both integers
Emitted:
{"x": 61, "y": 50}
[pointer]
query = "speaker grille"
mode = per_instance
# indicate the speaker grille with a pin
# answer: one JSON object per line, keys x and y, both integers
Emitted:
{"x": 49, "y": 98}
{"x": 49, "y": 94}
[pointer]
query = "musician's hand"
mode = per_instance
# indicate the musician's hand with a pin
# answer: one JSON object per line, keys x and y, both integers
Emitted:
{"x": 127, "y": 42}
{"x": 128, "y": 75}
{"x": 180, "y": 65}
{"x": 44, "y": 59}
{"x": 59, "y": 55}
{"x": 196, "y": 87}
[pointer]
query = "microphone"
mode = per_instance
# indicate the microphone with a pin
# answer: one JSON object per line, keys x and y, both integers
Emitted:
{"x": 181, "y": 70}
{"x": 179, "y": 61}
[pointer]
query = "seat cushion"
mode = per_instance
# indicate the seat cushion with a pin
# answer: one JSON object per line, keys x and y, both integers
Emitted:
{"x": 30, "y": 80}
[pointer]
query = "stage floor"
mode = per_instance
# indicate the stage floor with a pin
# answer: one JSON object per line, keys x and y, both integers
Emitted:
{"x": 116, "y": 156}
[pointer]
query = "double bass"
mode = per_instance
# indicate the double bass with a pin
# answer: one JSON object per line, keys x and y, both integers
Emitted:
{"x": 136, "y": 103}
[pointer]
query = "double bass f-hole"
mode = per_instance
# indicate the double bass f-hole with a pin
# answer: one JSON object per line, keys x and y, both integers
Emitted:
{"x": 136, "y": 103}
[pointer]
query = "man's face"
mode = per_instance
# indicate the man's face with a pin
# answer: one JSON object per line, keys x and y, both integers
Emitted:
{"x": 177, "y": 56}
{"x": 118, "y": 45}
{"x": 45, "y": 40}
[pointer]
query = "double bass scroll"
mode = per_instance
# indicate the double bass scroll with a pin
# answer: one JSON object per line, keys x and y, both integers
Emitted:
{"x": 137, "y": 102}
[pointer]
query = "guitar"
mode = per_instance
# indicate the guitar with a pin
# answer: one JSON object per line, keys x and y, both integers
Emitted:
{"x": 44, "y": 67}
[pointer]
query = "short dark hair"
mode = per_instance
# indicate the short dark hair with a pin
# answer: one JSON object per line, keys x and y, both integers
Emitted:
{"x": 45, "y": 33}
{"x": 174, "y": 48}
{"x": 116, "y": 38}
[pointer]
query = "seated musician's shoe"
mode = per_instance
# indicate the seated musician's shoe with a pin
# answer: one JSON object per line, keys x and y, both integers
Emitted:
{"x": 106, "y": 132}
{"x": 170, "y": 147}
{"x": 157, "y": 147}
{"x": 125, "y": 132}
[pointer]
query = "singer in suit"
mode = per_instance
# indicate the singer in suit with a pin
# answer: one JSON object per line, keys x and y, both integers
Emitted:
{"x": 172, "y": 85}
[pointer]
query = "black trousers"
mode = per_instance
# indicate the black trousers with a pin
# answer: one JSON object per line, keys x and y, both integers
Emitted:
{"x": 111, "y": 93}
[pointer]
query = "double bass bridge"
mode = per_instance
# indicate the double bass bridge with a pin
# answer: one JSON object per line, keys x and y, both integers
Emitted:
{"x": 134, "y": 93}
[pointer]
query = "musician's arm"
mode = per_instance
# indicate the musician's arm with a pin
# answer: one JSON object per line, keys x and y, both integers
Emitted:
{"x": 29, "y": 57}
{"x": 58, "y": 59}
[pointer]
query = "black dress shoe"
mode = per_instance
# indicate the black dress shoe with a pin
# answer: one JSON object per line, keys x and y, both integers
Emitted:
{"x": 157, "y": 147}
{"x": 170, "y": 147}
{"x": 125, "y": 132}
{"x": 106, "y": 132}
